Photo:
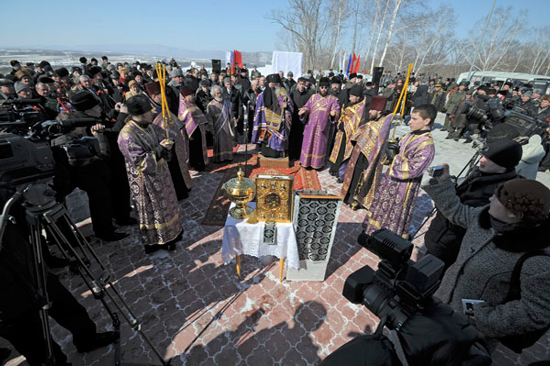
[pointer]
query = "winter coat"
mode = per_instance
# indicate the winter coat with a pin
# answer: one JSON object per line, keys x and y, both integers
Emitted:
{"x": 533, "y": 153}
{"x": 543, "y": 114}
{"x": 484, "y": 266}
{"x": 437, "y": 98}
{"x": 443, "y": 238}
{"x": 454, "y": 100}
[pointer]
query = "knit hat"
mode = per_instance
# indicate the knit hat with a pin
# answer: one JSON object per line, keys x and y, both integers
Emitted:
{"x": 84, "y": 100}
{"x": 138, "y": 105}
{"x": 152, "y": 88}
{"x": 185, "y": 91}
{"x": 525, "y": 196}
{"x": 20, "y": 86}
{"x": 505, "y": 153}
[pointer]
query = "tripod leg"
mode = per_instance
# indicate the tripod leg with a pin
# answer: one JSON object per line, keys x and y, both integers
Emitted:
{"x": 99, "y": 286}
{"x": 41, "y": 277}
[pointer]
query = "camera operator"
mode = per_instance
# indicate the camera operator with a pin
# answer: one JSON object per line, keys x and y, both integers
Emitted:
{"x": 87, "y": 169}
{"x": 473, "y": 126}
{"x": 495, "y": 167}
{"x": 20, "y": 321}
{"x": 497, "y": 235}
{"x": 437, "y": 336}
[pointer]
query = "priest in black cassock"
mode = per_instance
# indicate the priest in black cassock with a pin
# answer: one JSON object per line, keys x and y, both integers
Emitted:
{"x": 299, "y": 96}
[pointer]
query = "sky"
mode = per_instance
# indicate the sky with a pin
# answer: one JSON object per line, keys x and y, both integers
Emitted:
{"x": 195, "y": 25}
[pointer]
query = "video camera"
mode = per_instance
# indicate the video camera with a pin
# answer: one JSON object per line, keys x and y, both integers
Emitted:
{"x": 400, "y": 286}
{"x": 26, "y": 110}
{"x": 493, "y": 113}
{"x": 25, "y": 152}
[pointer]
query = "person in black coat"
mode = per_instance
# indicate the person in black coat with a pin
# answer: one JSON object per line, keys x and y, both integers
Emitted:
{"x": 299, "y": 97}
{"x": 229, "y": 92}
{"x": 496, "y": 166}
{"x": 20, "y": 303}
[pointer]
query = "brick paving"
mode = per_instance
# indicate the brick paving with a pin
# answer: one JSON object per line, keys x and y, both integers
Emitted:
{"x": 196, "y": 311}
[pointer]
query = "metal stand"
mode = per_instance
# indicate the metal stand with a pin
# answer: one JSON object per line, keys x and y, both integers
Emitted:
{"x": 246, "y": 108}
{"x": 44, "y": 213}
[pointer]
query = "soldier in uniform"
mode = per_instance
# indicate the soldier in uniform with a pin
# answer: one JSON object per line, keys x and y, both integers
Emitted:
{"x": 455, "y": 98}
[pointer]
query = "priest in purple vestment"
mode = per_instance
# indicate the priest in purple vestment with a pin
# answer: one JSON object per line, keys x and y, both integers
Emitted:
{"x": 347, "y": 127}
{"x": 219, "y": 115}
{"x": 364, "y": 169}
{"x": 393, "y": 203}
{"x": 146, "y": 149}
{"x": 323, "y": 110}
{"x": 178, "y": 164}
{"x": 273, "y": 119}
{"x": 196, "y": 125}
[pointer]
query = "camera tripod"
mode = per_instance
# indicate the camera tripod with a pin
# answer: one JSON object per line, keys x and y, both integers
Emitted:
{"x": 43, "y": 213}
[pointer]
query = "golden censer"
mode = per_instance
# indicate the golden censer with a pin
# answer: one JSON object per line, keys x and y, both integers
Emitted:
{"x": 240, "y": 191}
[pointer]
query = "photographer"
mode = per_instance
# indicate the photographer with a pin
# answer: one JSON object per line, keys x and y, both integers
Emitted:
{"x": 20, "y": 303}
{"x": 473, "y": 125}
{"x": 87, "y": 168}
{"x": 495, "y": 167}
{"x": 497, "y": 236}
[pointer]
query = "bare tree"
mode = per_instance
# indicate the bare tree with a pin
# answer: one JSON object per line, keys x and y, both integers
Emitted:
{"x": 492, "y": 51}
{"x": 342, "y": 11}
{"x": 304, "y": 19}
{"x": 540, "y": 49}
{"x": 380, "y": 30}
{"x": 396, "y": 7}
{"x": 433, "y": 37}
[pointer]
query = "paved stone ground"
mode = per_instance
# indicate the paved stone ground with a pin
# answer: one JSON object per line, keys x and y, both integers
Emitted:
{"x": 196, "y": 311}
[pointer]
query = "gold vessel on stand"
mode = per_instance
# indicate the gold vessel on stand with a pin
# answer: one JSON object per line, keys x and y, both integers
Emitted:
{"x": 241, "y": 191}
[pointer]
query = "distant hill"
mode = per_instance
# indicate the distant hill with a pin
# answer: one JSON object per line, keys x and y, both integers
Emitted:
{"x": 151, "y": 50}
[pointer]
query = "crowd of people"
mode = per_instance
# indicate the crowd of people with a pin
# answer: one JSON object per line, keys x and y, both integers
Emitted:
{"x": 155, "y": 123}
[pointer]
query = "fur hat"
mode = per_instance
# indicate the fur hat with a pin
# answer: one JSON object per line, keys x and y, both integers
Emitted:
{"x": 62, "y": 72}
{"x": 273, "y": 78}
{"x": 84, "y": 100}
{"x": 138, "y": 105}
{"x": 526, "y": 197}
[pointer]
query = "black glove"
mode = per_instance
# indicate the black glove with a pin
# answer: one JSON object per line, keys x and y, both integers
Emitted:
{"x": 392, "y": 149}
{"x": 161, "y": 152}
{"x": 438, "y": 335}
